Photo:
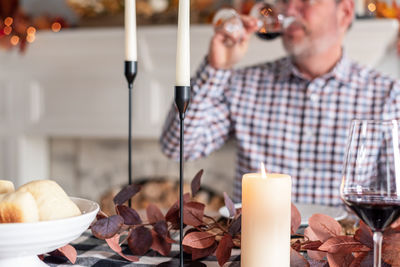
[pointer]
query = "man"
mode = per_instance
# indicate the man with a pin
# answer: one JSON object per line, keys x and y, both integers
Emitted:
{"x": 291, "y": 114}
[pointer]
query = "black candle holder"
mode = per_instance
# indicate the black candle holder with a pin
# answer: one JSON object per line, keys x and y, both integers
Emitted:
{"x": 130, "y": 74}
{"x": 182, "y": 99}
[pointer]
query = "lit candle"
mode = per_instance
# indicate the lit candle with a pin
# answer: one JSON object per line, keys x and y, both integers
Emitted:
{"x": 266, "y": 204}
{"x": 183, "y": 45}
{"x": 130, "y": 31}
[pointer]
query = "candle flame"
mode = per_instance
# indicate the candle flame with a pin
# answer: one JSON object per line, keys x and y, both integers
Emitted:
{"x": 263, "y": 172}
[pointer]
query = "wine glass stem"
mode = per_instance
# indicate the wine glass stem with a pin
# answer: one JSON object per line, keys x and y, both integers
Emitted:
{"x": 377, "y": 249}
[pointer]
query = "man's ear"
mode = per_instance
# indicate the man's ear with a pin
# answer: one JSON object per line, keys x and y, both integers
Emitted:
{"x": 345, "y": 14}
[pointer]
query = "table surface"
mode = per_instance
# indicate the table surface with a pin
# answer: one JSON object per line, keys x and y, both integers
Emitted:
{"x": 95, "y": 252}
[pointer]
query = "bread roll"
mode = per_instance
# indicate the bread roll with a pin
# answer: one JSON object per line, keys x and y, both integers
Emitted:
{"x": 6, "y": 187}
{"x": 53, "y": 203}
{"x": 18, "y": 207}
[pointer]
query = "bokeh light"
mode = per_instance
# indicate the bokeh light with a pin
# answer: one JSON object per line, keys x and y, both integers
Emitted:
{"x": 7, "y": 30}
{"x": 30, "y": 38}
{"x": 371, "y": 7}
{"x": 31, "y": 30}
{"x": 8, "y": 21}
{"x": 14, "y": 40}
{"x": 56, "y": 27}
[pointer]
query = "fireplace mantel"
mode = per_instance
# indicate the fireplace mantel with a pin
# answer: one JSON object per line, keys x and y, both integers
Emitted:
{"x": 71, "y": 84}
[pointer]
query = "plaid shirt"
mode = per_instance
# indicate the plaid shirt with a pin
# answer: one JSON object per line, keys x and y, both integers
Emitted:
{"x": 294, "y": 125}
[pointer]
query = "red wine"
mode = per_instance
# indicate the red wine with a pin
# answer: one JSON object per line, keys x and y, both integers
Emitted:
{"x": 268, "y": 35}
{"x": 376, "y": 211}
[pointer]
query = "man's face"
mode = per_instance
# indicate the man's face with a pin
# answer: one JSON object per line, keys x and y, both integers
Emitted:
{"x": 315, "y": 30}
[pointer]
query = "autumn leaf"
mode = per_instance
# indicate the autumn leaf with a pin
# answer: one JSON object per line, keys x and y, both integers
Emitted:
{"x": 201, "y": 253}
{"x": 160, "y": 244}
{"x": 364, "y": 235}
{"x": 173, "y": 215}
{"x": 316, "y": 255}
{"x": 358, "y": 259}
{"x": 193, "y": 213}
{"x": 340, "y": 259}
{"x": 69, "y": 252}
{"x": 195, "y": 185}
{"x": 224, "y": 249}
{"x": 236, "y": 226}
{"x": 324, "y": 227}
{"x": 154, "y": 214}
{"x": 311, "y": 245}
{"x": 126, "y": 193}
{"x": 140, "y": 240}
{"x": 161, "y": 228}
{"x": 131, "y": 217}
{"x": 229, "y": 204}
{"x": 113, "y": 243}
{"x": 107, "y": 227}
{"x": 199, "y": 240}
{"x": 343, "y": 244}
{"x": 297, "y": 260}
{"x": 391, "y": 249}
{"x": 295, "y": 219}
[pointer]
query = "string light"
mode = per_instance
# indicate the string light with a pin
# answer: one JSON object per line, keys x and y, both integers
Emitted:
{"x": 371, "y": 7}
{"x": 56, "y": 27}
{"x": 30, "y": 38}
{"x": 7, "y": 30}
{"x": 14, "y": 40}
{"x": 8, "y": 21}
{"x": 31, "y": 30}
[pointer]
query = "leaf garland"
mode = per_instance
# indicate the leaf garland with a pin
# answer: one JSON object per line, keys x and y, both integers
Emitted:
{"x": 324, "y": 239}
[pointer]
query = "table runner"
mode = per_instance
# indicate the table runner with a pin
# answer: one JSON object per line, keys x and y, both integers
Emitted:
{"x": 95, "y": 252}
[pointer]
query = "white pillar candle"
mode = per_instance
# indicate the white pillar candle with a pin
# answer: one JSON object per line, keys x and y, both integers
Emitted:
{"x": 266, "y": 215}
{"x": 130, "y": 31}
{"x": 183, "y": 45}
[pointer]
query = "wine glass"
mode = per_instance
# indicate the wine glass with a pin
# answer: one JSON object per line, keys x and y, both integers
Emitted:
{"x": 371, "y": 176}
{"x": 271, "y": 21}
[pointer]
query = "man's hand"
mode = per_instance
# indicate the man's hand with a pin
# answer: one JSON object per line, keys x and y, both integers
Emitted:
{"x": 227, "y": 49}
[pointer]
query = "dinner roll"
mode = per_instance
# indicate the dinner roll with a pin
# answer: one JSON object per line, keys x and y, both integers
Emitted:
{"x": 18, "y": 207}
{"x": 53, "y": 203}
{"x": 6, "y": 186}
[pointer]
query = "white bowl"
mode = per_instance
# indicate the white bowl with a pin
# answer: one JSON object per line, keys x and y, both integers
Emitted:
{"x": 20, "y": 243}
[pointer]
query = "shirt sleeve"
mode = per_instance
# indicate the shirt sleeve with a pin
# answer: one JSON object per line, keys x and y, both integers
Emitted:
{"x": 207, "y": 123}
{"x": 391, "y": 109}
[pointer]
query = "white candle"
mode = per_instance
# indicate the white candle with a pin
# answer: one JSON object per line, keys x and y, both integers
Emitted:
{"x": 130, "y": 31}
{"x": 266, "y": 214}
{"x": 183, "y": 44}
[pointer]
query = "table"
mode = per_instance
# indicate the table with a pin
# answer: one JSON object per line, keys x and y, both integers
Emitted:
{"x": 95, "y": 252}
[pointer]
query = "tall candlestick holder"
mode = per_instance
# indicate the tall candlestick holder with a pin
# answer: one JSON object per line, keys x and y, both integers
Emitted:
{"x": 130, "y": 75}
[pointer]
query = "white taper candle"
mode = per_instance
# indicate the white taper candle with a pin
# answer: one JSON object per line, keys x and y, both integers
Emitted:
{"x": 130, "y": 31}
{"x": 183, "y": 45}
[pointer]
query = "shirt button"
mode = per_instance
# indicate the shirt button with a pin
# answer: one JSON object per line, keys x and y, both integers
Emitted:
{"x": 314, "y": 97}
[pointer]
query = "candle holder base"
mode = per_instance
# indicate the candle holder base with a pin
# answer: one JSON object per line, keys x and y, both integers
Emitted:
{"x": 176, "y": 262}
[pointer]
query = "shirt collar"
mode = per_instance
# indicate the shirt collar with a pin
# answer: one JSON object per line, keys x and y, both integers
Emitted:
{"x": 340, "y": 72}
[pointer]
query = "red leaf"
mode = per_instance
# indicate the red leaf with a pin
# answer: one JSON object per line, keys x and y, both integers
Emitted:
{"x": 69, "y": 252}
{"x": 161, "y": 228}
{"x": 324, "y": 227}
{"x": 358, "y": 259}
{"x": 343, "y": 244}
{"x": 131, "y": 217}
{"x": 160, "y": 244}
{"x": 316, "y": 255}
{"x": 295, "y": 219}
{"x": 297, "y": 260}
{"x": 107, "y": 227}
{"x": 195, "y": 185}
{"x": 172, "y": 215}
{"x": 113, "y": 243}
{"x": 391, "y": 249}
{"x": 340, "y": 259}
{"x": 224, "y": 249}
{"x": 364, "y": 235}
{"x": 154, "y": 214}
{"x": 126, "y": 193}
{"x": 199, "y": 240}
{"x": 201, "y": 253}
{"x": 101, "y": 215}
{"x": 229, "y": 204}
{"x": 235, "y": 226}
{"x": 311, "y": 245}
{"x": 140, "y": 240}
{"x": 193, "y": 213}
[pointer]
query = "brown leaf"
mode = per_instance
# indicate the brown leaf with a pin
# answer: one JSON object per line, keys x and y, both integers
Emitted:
{"x": 224, "y": 249}
{"x": 364, "y": 235}
{"x": 107, "y": 227}
{"x": 69, "y": 252}
{"x": 235, "y": 226}
{"x": 193, "y": 213}
{"x": 296, "y": 245}
{"x": 311, "y": 245}
{"x": 140, "y": 240}
{"x": 131, "y": 217}
{"x": 340, "y": 259}
{"x": 101, "y": 215}
{"x": 126, "y": 193}
{"x": 161, "y": 228}
{"x": 201, "y": 253}
{"x": 154, "y": 214}
{"x": 316, "y": 255}
{"x": 113, "y": 243}
{"x": 391, "y": 249}
{"x": 295, "y": 219}
{"x": 324, "y": 226}
{"x": 172, "y": 215}
{"x": 343, "y": 244}
{"x": 229, "y": 204}
{"x": 396, "y": 225}
{"x": 195, "y": 185}
{"x": 160, "y": 244}
{"x": 297, "y": 260}
{"x": 198, "y": 240}
{"x": 358, "y": 259}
